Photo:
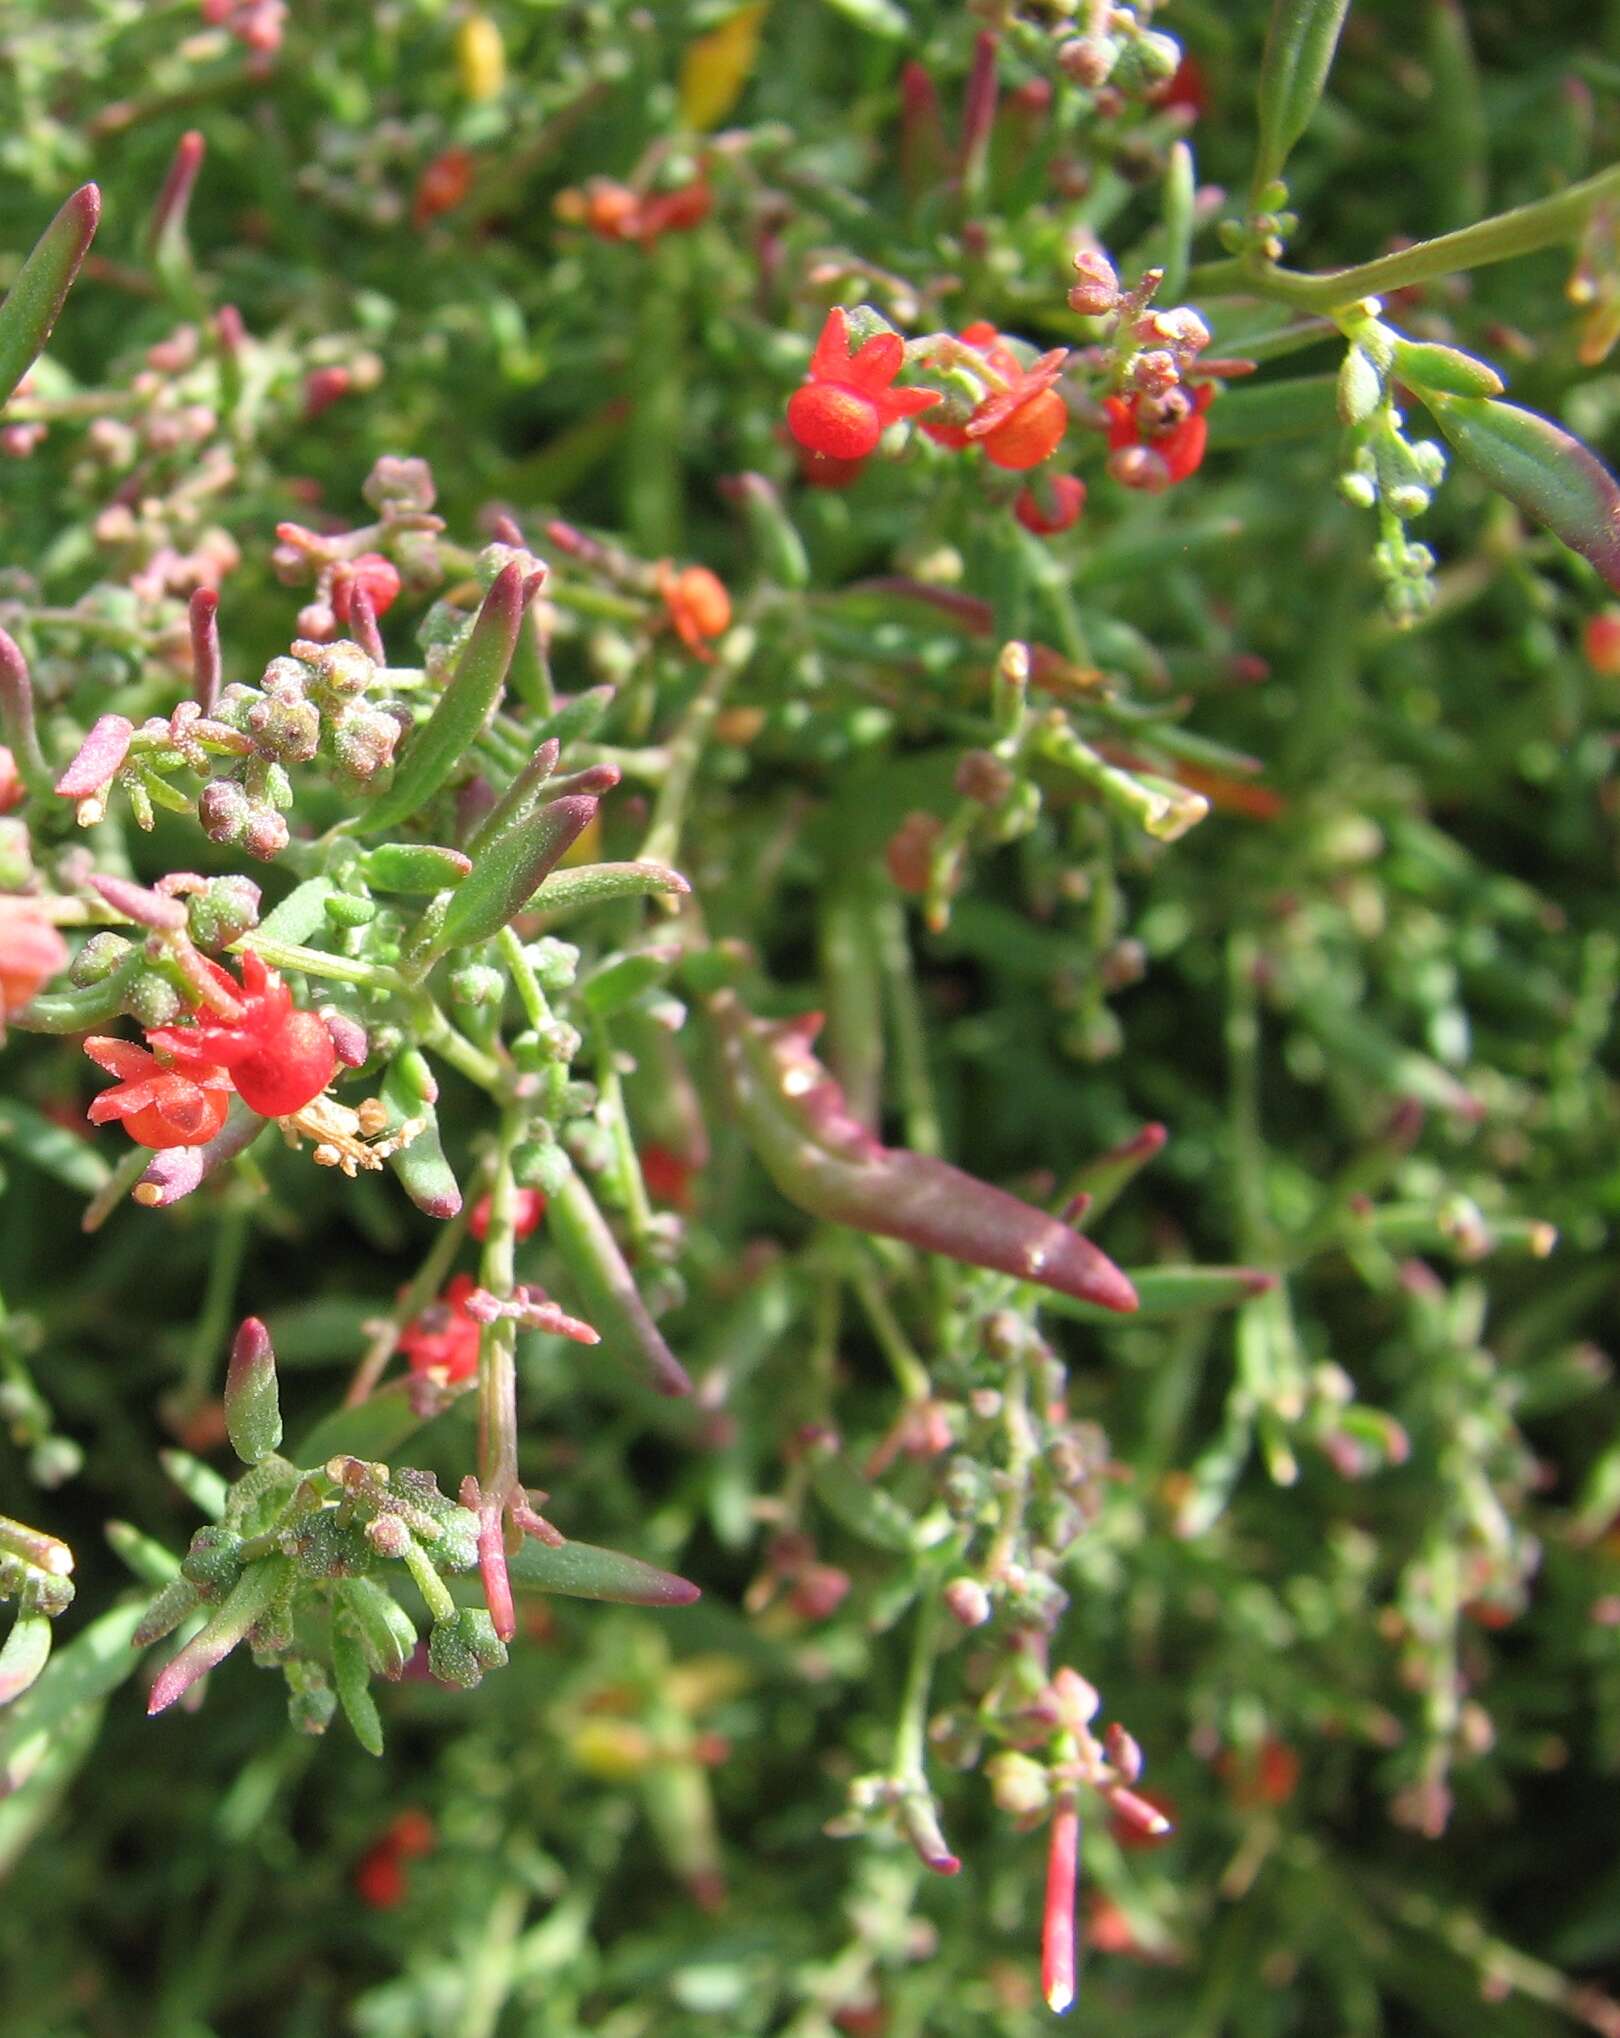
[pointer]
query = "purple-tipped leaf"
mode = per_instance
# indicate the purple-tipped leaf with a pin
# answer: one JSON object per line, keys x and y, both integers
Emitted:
{"x": 136, "y": 903}
{"x": 97, "y": 758}
{"x": 178, "y": 1170}
{"x": 613, "y": 1304}
{"x": 1542, "y": 468}
{"x": 510, "y": 866}
{"x": 253, "y": 1597}
{"x": 252, "y": 1398}
{"x": 205, "y": 660}
{"x": 824, "y": 1160}
{"x": 35, "y": 300}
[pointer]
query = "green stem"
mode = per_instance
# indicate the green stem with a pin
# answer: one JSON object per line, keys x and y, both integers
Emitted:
{"x": 1524, "y": 230}
{"x": 911, "y": 1727}
{"x": 497, "y": 1359}
{"x": 316, "y": 962}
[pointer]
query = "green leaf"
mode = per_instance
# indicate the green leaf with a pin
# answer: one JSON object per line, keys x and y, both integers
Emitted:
{"x": 86, "y": 1669}
{"x": 386, "y": 1631}
{"x": 583, "y": 1571}
{"x": 24, "y": 1654}
{"x": 607, "y": 1289}
{"x": 434, "y": 750}
{"x": 1543, "y": 469}
{"x": 509, "y": 869}
{"x": 301, "y": 913}
{"x": 1447, "y": 371}
{"x": 35, "y": 300}
{"x": 413, "y": 867}
{"x": 426, "y": 1176}
{"x": 1173, "y": 1291}
{"x": 34, "y": 1138}
{"x": 1300, "y": 45}
{"x": 567, "y": 891}
{"x": 252, "y": 1397}
{"x": 351, "y": 1676}
{"x": 864, "y": 1509}
{"x": 623, "y": 978}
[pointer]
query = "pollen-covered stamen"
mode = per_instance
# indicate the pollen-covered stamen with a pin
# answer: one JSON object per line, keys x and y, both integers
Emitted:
{"x": 348, "y": 1139}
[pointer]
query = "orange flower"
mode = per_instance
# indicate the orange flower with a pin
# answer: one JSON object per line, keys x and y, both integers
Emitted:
{"x": 31, "y": 953}
{"x": 698, "y": 605}
{"x": 1020, "y": 424}
{"x": 158, "y": 1105}
{"x": 847, "y": 402}
{"x": 1178, "y": 438}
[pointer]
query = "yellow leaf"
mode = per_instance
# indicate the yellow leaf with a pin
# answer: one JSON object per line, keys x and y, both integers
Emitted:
{"x": 716, "y": 67}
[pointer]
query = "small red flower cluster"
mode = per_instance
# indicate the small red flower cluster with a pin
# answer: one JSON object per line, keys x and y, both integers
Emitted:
{"x": 445, "y": 1337}
{"x": 698, "y": 605}
{"x": 531, "y": 1207}
{"x": 276, "y": 1057}
{"x": 372, "y": 574}
{"x": 379, "y": 1874}
{"x": 848, "y": 403}
{"x": 1172, "y": 429}
{"x": 1020, "y": 423}
{"x": 615, "y": 212}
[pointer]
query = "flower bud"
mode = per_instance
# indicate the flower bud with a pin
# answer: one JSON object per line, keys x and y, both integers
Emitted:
{"x": 463, "y": 1646}
{"x": 967, "y": 1602}
{"x": 252, "y": 1400}
{"x": 1021, "y": 1788}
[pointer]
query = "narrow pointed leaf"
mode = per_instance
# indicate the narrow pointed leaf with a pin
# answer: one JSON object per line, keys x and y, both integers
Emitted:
{"x": 822, "y": 1159}
{"x": 510, "y": 867}
{"x": 1176, "y": 1291}
{"x": 35, "y": 300}
{"x": 24, "y": 1654}
{"x": 607, "y": 1288}
{"x": 566, "y": 891}
{"x": 583, "y": 1571}
{"x": 1542, "y": 468}
{"x": 249, "y": 1602}
{"x": 95, "y": 1662}
{"x": 1300, "y": 45}
{"x": 37, "y": 1139}
{"x": 351, "y": 1677}
{"x": 434, "y": 750}
{"x": 414, "y": 867}
{"x": 252, "y": 1398}
{"x": 385, "y": 1630}
{"x": 423, "y": 1171}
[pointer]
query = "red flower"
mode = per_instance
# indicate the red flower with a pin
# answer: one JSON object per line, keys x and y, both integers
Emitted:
{"x": 817, "y": 470}
{"x": 1267, "y": 1775}
{"x": 445, "y": 1336}
{"x": 667, "y": 1176}
{"x": 1020, "y": 425}
{"x": 1186, "y": 89}
{"x": 698, "y": 605}
{"x": 1066, "y": 498}
{"x": 377, "y": 575}
{"x": 12, "y": 789}
{"x": 379, "y": 1874}
{"x": 1179, "y": 440}
{"x": 531, "y": 1207}
{"x": 442, "y": 186}
{"x": 847, "y": 403}
{"x": 673, "y": 211}
{"x": 1600, "y": 640}
{"x": 31, "y": 952}
{"x": 279, "y": 1056}
{"x": 160, "y": 1105}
